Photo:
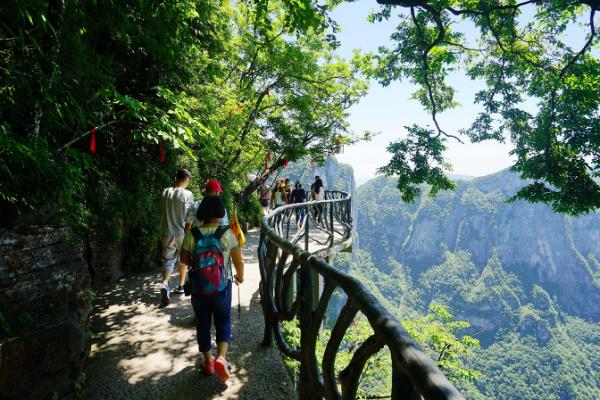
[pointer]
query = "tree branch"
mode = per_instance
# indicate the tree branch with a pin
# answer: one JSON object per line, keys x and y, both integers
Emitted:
{"x": 248, "y": 125}
{"x": 84, "y": 134}
{"x": 424, "y": 58}
{"x": 491, "y": 9}
{"x": 583, "y": 50}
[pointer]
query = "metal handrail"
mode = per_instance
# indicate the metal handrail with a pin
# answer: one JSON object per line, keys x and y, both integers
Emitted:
{"x": 281, "y": 261}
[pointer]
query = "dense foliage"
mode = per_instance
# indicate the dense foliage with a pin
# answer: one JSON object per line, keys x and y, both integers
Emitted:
{"x": 539, "y": 72}
{"x": 536, "y": 63}
{"x": 102, "y": 101}
{"x": 436, "y": 332}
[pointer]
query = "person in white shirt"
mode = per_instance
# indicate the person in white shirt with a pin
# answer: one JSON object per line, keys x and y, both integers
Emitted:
{"x": 176, "y": 215}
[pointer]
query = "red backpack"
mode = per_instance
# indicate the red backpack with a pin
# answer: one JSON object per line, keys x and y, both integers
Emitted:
{"x": 207, "y": 275}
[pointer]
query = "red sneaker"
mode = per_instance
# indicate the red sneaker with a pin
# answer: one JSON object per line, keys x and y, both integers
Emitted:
{"x": 209, "y": 366}
{"x": 221, "y": 369}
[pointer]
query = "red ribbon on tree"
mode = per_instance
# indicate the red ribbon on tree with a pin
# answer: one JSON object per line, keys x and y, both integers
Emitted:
{"x": 161, "y": 153}
{"x": 285, "y": 163}
{"x": 93, "y": 141}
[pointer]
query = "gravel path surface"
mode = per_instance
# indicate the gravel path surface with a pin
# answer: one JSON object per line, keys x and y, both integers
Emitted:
{"x": 142, "y": 351}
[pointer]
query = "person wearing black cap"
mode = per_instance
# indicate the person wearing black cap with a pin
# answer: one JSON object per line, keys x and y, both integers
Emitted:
{"x": 211, "y": 188}
{"x": 176, "y": 207}
{"x": 216, "y": 306}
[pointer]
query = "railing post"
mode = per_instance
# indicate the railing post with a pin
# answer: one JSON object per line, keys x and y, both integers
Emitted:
{"x": 267, "y": 254}
{"x": 402, "y": 387}
{"x": 331, "y": 224}
{"x": 306, "y": 227}
{"x": 306, "y": 391}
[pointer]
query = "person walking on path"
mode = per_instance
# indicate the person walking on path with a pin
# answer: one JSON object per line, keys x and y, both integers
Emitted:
{"x": 176, "y": 205}
{"x": 299, "y": 196}
{"x": 318, "y": 193}
{"x": 317, "y": 190}
{"x": 288, "y": 190}
{"x": 211, "y": 188}
{"x": 279, "y": 196}
{"x": 217, "y": 305}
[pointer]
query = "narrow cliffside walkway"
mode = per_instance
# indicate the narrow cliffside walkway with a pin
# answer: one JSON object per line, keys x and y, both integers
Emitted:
{"x": 141, "y": 351}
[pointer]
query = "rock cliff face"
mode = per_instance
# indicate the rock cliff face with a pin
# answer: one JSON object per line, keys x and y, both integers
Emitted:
{"x": 105, "y": 259}
{"x": 558, "y": 253}
{"x": 45, "y": 300}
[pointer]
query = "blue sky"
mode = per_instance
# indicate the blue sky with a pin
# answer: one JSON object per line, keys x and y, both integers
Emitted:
{"x": 388, "y": 109}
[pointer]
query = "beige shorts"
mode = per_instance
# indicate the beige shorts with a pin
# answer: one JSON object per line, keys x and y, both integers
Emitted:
{"x": 171, "y": 248}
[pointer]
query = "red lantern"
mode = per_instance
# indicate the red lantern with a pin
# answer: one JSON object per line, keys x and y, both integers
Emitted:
{"x": 285, "y": 163}
{"x": 161, "y": 153}
{"x": 93, "y": 141}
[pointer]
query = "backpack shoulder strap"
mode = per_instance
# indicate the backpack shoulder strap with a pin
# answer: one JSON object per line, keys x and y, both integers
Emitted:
{"x": 221, "y": 231}
{"x": 197, "y": 234}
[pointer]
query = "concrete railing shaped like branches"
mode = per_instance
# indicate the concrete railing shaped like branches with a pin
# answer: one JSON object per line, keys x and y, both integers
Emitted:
{"x": 298, "y": 284}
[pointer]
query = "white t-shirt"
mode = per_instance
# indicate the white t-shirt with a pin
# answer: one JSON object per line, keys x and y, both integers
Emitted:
{"x": 176, "y": 206}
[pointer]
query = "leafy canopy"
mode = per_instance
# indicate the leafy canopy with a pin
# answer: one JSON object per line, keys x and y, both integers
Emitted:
{"x": 215, "y": 86}
{"x": 523, "y": 56}
{"x": 540, "y": 88}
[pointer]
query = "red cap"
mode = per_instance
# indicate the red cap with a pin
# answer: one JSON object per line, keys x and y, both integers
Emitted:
{"x": 213, "y": 185}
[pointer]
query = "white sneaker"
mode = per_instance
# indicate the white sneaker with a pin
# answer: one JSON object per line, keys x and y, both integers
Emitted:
{"x": 165, "y": 295}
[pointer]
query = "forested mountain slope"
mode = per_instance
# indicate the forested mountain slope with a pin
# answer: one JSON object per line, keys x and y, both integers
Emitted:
{"x": 527, "y": 280}
{"x": 556, "y": 252}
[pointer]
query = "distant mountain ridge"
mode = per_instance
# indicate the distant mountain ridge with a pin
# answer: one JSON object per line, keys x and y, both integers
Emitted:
{"x": 525, "y": 278}
{"x": 556, "y": 252}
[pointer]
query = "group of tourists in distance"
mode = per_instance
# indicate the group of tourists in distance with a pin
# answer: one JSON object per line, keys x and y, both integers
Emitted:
{"x": 201, "y": 240}
{"x": 282, "y": 194}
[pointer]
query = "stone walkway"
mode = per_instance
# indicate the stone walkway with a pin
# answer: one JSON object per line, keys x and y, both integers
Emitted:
{"x": 141, "y": 351}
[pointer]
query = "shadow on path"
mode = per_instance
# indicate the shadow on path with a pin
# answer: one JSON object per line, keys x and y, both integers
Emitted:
{"x": 141, "y": 351}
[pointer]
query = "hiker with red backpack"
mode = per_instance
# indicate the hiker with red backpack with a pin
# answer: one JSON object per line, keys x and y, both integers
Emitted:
{"x": 209, "y": 251}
